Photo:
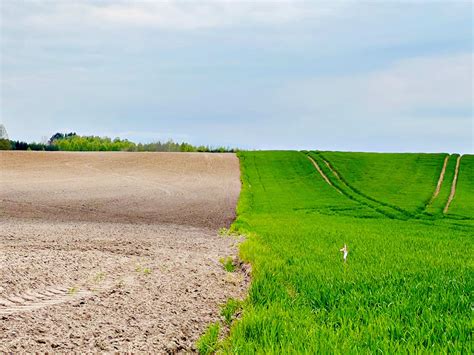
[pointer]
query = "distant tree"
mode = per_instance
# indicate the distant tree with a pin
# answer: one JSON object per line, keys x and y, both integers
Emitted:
{"x": 17, "y": 145}
{"x": 5, "y": 144}
{"x": 73, "y": 142}
{"x": 185, "y": 147}
{"x": 58, "y": 136}
{"x": 36, "y": 146}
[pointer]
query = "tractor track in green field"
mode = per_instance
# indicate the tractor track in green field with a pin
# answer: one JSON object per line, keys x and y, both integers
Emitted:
{"x": 318, "y": 168}
{"x": 453, "y": 185}
{"x": 353, "y": 194}
{"x": 356, "y": 191}
{"x": 338, "y": 182}
{"x": 440, "y": 180}
{"x": 394, "y": 212}
{"x": 439, "y": 198}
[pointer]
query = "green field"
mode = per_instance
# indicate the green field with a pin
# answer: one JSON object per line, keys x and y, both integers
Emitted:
{"x": 463, "y": 203}
{"x": 404, "y": 181}
{"x": 437, "y": 205}
{"x": 407, "y": 284}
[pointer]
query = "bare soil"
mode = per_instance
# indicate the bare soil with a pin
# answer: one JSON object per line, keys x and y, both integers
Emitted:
{"x": 106, "y": 252}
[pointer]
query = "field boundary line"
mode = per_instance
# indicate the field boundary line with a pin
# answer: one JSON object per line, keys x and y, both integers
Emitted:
{"x": 323, "y": 175}
{"x": 440, "y": 180}
{"x": 453, "y": 185}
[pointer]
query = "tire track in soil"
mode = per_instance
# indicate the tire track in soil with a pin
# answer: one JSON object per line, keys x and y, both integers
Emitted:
{"x": 453, "y": 185}
{"x": 35, "y": 299}
{"x": 440, "y": 180}
{"x": 164, "y": 311}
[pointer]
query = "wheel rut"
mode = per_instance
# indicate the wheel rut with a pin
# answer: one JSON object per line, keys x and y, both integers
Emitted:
{"x": 342, "y": 192}
{"x": 318, "y": 168}
{"x": 380, "y": 205}
{"x": 440, "y": 180}
{"x": 453, "y": 186}
{"x": 35, "y": 299}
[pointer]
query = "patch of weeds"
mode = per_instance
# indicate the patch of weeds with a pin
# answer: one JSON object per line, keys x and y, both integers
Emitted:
{"x": 228, "y": 264}
{"x": 209, "y": 342}
{"x": 99, "y": 277}
{"x": 230, "y": 309}
{"x": 231, "y": 232}
{"x": 224, "y": 232}
{"x": 72, "y": 290}
{"x": 143, "y": 270}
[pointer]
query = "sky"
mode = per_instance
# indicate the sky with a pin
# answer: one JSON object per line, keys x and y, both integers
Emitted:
{"x": 386, "y": 76}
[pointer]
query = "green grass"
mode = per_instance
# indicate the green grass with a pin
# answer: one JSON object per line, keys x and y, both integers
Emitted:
{"x": 405, "y": 181}
{"x": 209, "y": 342}
{"x": 407, "y": 284}
{"x": 437, "y": 205}
{"x": 228, "y": 264}
{"x": 230, "y": 309}
{"x": 463, "y": 203}
{"x": 340, "y": 182}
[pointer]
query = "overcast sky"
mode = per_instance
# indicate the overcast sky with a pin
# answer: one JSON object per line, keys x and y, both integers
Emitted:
{"x": 359, "y": 76}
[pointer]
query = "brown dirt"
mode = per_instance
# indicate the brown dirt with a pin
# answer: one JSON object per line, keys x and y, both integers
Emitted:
{"x": 114, "y": 251}
{"x": 453, "y": 185}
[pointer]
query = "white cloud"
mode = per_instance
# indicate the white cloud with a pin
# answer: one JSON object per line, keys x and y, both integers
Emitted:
{"x": 259, "y": 74}
{"x": 418, "y": 104}
{"x": 434, "y": 83}
{"x": 424, "y": 82}
{"x": 171, "y": 14}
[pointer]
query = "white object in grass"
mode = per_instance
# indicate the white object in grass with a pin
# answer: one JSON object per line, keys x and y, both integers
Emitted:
{"x": 345, "y": 251}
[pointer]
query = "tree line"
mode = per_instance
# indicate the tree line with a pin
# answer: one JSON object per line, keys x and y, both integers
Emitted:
{"x": 74, "y": 142}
